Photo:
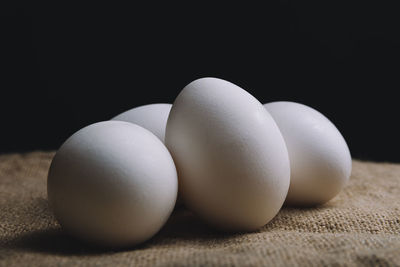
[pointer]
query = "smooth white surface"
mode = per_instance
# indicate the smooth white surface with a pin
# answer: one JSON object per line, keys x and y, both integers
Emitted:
{"x": 152, "y": 117}
{"x": 319, "y": 156}
{"x": 112, "y": 183}
{"x": 231, "y": 158}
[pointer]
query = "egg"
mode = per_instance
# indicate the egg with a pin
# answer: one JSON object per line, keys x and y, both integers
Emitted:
{"x": 232, "y": 162}
{"x": 152, "y": 117}
{"x": 320, "y": 159}
{"x": 112, "y": 184}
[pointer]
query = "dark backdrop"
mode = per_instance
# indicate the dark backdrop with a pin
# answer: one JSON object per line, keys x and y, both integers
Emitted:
{"x": 64, "y": 69}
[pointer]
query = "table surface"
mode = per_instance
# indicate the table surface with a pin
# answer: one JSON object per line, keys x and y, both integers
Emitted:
{"x": 361, "y": 226}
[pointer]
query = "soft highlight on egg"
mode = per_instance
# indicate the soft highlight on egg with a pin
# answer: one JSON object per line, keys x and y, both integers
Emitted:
{"x": 320, "y": 159}
{"x": 152, "y": 117}
{"x": 231, "y": 158}
{"x": 113, "y": 184}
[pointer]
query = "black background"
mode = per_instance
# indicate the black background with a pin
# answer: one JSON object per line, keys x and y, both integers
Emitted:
{"x": 65, "y": 68}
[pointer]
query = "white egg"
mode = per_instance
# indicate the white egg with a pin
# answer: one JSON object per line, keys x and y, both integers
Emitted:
{"x": 232, "y": 161}
{"x": 320, "y": 160}
{"x": 152, "y": 117}
{"x": 112, "y": 183}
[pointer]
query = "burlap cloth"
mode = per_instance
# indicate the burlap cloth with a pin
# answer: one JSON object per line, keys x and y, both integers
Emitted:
{"x": 361, "y": 226}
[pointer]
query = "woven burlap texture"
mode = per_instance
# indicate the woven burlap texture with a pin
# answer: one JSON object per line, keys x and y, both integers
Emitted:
{"x": 361, "y": 226}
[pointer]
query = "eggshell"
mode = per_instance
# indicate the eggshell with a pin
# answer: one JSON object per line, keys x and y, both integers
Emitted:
{"x": 112, "y": 183}
{"x": 320, "y": 159}
{"x": 152, "y": 117}
{"x": 232, "y": 161}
